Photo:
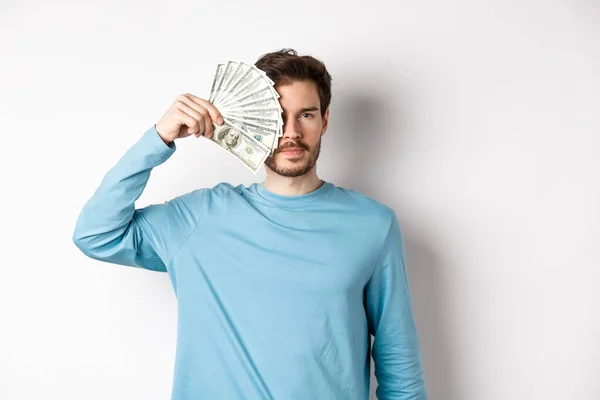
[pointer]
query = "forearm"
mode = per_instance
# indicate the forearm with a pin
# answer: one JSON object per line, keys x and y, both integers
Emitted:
{"x": 396, "y": 348}
{"x": 398, "y": 365}
{"x": 103, "y": 229}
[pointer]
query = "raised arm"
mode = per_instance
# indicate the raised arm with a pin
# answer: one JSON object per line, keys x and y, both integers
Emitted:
{"x": 109, "y": 227}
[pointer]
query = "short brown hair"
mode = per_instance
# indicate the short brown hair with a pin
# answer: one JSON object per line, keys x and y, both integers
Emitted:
{"x": 286, "y": 66}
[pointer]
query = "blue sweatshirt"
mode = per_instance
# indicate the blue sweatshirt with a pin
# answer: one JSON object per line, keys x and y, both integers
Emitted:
{"x": 277, "y": 296}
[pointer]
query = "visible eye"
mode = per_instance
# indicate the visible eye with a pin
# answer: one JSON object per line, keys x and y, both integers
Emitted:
{"x": 306, "y": 114}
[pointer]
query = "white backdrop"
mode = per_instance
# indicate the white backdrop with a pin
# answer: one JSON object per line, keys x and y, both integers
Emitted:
{"x": 478, "y": 122}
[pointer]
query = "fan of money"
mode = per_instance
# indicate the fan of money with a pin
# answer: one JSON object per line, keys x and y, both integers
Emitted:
{"x": 250, "y": 107}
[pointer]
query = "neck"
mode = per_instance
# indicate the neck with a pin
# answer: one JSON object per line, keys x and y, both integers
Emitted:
{"x": 292, "y": 186}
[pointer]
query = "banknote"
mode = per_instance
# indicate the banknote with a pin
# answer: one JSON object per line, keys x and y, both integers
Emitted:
{"x": 253, "y": 113}
{"x": 265, "y": 136}
{"x": 216, "y": 80}
{"x": 222, "y": 79}
{"x": 245, "y": 149}
{"x": 256, "y": 88}
{"x": 235, "y": 76}
{"x": 255, "y": 103}
{"x": 265, "y": 122}
{"x": 249, "y": 79}
{"x": 249, "y": 103}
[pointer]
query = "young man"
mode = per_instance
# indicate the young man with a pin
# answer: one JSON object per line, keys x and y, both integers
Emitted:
{"x": 279, "y": 284}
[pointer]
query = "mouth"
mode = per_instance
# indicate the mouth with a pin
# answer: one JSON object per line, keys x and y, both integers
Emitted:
{"x": 292, "y": 151}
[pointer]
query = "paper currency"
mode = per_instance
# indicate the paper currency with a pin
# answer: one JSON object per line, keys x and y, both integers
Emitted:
{"x": 216, "y": 80}
{"x": 245, "y": 149}
{"x": 249, "y": 103}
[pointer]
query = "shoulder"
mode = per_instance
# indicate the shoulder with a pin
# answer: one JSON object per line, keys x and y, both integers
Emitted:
{"x": 380, "y": 213}
{"x": 199, "y": 201}
{"x": 224, "y": 189}
{"x": 370, "y": 216}
{"x": 201, "y": 195}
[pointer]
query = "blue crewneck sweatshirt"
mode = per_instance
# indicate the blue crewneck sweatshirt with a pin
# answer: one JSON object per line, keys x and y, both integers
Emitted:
{"x": 278, "y": 296}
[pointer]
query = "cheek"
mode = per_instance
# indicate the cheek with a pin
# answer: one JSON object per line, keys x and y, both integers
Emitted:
{"x": 314, "y": 134}
{"x": 312, "y": 127}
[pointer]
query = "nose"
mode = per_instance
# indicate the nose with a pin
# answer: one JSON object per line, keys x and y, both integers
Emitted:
{"x": 291, "y": 128}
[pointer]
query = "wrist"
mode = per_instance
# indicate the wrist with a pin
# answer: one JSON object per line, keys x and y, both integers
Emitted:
{"x": 166, "y": 141}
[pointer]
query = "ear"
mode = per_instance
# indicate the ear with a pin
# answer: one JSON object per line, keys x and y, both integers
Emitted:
{"x": 325, "y": 121}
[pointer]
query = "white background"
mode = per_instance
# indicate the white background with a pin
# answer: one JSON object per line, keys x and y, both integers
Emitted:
{"x": 478, "y": 122}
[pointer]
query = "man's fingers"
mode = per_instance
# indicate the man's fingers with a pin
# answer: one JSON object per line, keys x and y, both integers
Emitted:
{"x": 215, "y": 115}
{"x": 192, "y": 118}
{"x": 208, "y": 126}
{"x": 208, "y": 118}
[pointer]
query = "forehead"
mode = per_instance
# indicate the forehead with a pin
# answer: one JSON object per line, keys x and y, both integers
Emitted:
{"x": 298, "y": 94}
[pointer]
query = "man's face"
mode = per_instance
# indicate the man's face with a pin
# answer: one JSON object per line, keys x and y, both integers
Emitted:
{"x": 303, "y": 127}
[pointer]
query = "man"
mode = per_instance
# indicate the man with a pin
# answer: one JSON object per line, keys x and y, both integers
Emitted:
{"x": 279, "y": 284}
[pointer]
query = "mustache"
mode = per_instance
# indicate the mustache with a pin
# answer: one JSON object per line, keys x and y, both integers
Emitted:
{"x": 293, "y": 145}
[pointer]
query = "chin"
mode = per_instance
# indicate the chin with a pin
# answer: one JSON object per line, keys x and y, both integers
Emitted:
{"x": 291, "y": 170}
{"x": 293, "y": 166}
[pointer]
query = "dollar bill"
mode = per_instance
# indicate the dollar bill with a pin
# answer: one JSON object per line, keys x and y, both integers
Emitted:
{"x": 264, "y": 136}
{"x": 268, "y": 113}
{"x": 265, "y": 122}
{"x": 249, "y": 103}
{"x": 240, "y": 67}
{"x": 216, "y": 80}
{"x": 249, "y": 75}
{"x": 257, "y": 84}
{"x": 272, "y": 112}
{"x": 257, "y": 88}
{"x": 229, "y": 66}
{"x": 245, "y": 149}
{"x": 267, "y": 102}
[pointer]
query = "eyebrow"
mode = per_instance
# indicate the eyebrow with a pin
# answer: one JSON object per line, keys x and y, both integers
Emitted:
{"x": 307, "y": 109}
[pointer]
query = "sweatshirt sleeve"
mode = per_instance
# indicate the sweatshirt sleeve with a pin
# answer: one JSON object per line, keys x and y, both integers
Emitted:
{"x": 109, "y": 227}
{"x": 396, "y": 349}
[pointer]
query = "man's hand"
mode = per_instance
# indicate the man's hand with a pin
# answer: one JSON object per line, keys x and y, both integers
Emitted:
{"x": 189, "y": 115}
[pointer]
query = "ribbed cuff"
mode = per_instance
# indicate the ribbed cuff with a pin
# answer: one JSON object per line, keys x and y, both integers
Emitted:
{"x": 153, "y": 140}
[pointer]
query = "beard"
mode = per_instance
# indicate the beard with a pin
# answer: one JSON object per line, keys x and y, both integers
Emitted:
{"x": 300, "y": 167}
